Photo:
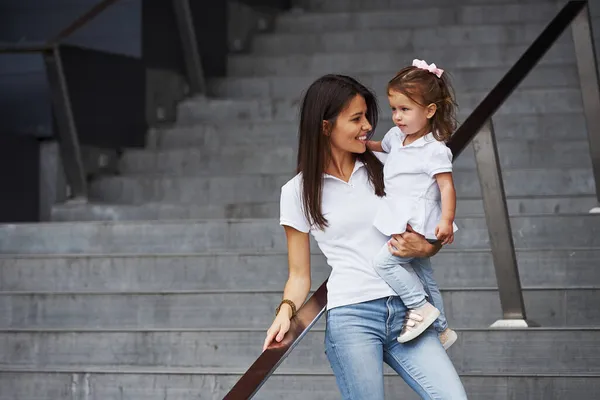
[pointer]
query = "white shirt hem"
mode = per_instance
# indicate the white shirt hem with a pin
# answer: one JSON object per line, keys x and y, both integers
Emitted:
{"x": 359, "y": 299}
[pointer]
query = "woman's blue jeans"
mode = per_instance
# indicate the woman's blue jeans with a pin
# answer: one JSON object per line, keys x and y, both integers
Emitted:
{"x": 361, "y": 337}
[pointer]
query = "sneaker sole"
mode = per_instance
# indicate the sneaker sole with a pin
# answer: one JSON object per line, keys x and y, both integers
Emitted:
{"x": 424, "y": 325}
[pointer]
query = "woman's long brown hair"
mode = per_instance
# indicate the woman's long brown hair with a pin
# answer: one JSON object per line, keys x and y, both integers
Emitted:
{"x": 324, "y": 100}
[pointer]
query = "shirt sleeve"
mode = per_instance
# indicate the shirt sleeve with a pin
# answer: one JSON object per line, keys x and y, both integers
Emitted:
{"x": 388, "y": 139}
{"x": 291, "y": 211}
{"x": 440, "y": 160}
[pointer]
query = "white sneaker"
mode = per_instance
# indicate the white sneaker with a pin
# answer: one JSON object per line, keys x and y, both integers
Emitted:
{"x": 448, "y": 337}
{"x": 417, "y": 320}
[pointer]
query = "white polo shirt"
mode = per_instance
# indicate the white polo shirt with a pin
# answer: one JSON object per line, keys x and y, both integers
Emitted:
{"x": 412, "y": 193}
{"x": 350, "y": 242}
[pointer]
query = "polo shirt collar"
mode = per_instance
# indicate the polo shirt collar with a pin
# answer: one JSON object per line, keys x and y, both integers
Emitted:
{"x": 357, "y": 165}
{"x": 420, "y": 142}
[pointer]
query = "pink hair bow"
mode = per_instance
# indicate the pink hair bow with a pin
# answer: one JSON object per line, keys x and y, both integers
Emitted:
{"x": 428, "y": 67}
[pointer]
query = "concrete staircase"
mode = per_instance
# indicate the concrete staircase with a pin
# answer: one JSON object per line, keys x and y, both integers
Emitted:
{"x": 167, "y": 290}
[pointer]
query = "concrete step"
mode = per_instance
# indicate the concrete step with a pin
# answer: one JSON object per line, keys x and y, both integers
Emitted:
{"x": 54, "y": 382}
{"x": 366, "y": 5}
{"x": 465, "y": 308}
{"x": 449, "y": 58}
{"x": 463, "y": 79}
{"x": 525, "y": 101}
{"x": 343, "y": 19}
{"x": 267, "y": 271}
{"x": 214, "y": 136}
{"x": 254, "y": 158}
{"x": 527, "y": 353}
{"x": 541, "y": 153}
{"x": 156, "y": 211}
{"x": 140, "y": 189}
{"x": 404, "y": 38}
{"x": 191, "y": 236}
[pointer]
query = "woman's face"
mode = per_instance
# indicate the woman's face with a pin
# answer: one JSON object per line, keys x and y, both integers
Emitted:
{"x": 349, "y": 133}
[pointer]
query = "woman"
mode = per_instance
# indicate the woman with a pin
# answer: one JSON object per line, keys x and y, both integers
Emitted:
{"x": 335, "y": 197}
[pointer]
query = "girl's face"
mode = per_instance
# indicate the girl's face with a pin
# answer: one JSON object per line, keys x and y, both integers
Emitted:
{"x": 412, "y": 118}
{"x": 350, "y": 130}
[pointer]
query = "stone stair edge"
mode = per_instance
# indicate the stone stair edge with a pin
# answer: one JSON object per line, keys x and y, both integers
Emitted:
{"x": 198, "y": 100}
{"x": 449, "y": 289}
{"x": 319, "y": 329}
{"x": 278, "y": 147}
{"x": 522, "y": 46}
{"x": 291, "y": 14}
{"x": 239, "y": 220}
{"x": 244, "y": 253}
{"x": 528, "y": 24}
{"x": 135, "y": 370}
{"x": 175, "y": 126}
{"x": 290, "y": 174}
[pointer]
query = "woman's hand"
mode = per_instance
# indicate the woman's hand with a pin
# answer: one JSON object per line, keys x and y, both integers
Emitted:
{"x": 412, "y": 244}
{"x": 278, "y": 329}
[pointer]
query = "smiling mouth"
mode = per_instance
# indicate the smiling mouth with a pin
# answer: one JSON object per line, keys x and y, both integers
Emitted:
{"x": 362, "y": 138}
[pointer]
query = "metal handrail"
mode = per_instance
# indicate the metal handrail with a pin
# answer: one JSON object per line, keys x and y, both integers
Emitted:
{"x": 82, "y": 20}
{"x": 478, "y": 120}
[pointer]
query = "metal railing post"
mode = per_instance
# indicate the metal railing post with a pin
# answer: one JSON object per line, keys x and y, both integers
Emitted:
{"x": 68, "y": 140}
{"x": 189, "y": 44}
{"x": 587, "y": 68}
{"x": 498, "y": 223}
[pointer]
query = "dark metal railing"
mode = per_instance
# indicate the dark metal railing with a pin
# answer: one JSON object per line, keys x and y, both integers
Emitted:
{"x": 82, "y": 20}
{"x": 477, "y": 127}
{"x": 67, "y": 133}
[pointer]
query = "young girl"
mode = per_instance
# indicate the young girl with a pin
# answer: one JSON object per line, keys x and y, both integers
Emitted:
{"x": 417, "y": 175}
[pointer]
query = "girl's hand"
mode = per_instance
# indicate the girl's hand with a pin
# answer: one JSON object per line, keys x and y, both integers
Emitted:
{"x": 280, "y": 326}
{"x": 444, "y": 232}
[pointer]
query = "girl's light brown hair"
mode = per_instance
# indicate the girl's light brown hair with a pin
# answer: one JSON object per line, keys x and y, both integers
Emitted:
{"x": 425, "y": 88}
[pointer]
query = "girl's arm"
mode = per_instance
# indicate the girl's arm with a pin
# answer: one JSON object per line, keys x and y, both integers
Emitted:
{"x": 444, "y": 231}
{"x": 446, "y": 185}
{"x": 298, "y": 283}
{"x": 375, "y": 146}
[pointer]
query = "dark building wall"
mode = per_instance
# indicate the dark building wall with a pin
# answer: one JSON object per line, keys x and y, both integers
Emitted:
{"x": 24, "y": 99}
{"x": 19, "y": 176}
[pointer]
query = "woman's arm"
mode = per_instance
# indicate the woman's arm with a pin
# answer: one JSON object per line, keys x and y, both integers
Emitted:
{"x": 412, "y": 244}
{"x": 298, "y": 283}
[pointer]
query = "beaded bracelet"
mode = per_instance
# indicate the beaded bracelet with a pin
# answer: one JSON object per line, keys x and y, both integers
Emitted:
{"x": 290, "y": 303}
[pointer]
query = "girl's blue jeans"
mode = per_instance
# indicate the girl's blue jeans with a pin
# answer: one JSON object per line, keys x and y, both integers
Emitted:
{"x": 412, "y": 279}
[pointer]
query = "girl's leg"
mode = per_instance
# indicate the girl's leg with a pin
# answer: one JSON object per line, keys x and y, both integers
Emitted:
{"x": 354, "y": 345}
{"x": 422, "y": 267}
{"x": 423, "y": 363}
{"x": 399, "y": 275}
